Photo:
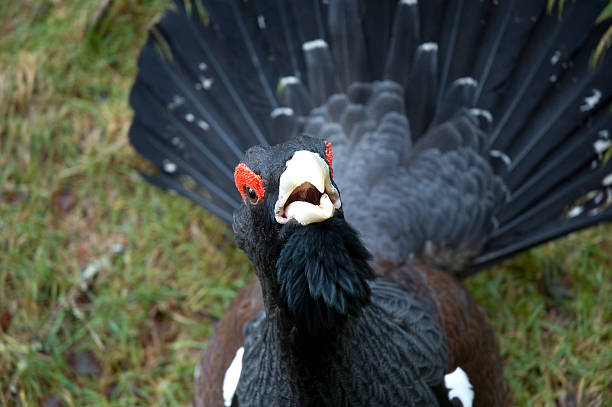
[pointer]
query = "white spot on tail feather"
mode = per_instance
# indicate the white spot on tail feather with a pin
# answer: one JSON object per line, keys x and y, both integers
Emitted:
{"x": 178, "y": 100}
{"x": 601, "y": 146}
{"x": 203, "y": 125}
{"x": 591, "y": 101}
{"x": 261, "y": 22}
{"x": 281, "y": 111}
{"x": 169, "y": 166}
{"x": 594, "y": 212}
{"x": 495, "y": 223}
{"x": 289, "y": 80}
{"x": 409, "y": 2}
{"x": 206, "y": 82}
{"x": 501, "y": 155}
{"x": 575, "y": 211}
{"x": 428, "y": 46}
{"x": 467, "y": 81}
{"x": 484, "y": 113}
{"x": 607, "y": 181}
{"x": 232, "y": 375}
{"x": 202, "y": 66}
{"x": 556, "y": 57}
{"x": 189, "y": 117}
{"x": 591, "y": 194}
{"x": 459, "y": 386}
{"x": 310, "y": 45}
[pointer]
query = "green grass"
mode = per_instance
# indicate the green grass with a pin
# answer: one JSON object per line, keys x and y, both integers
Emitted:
{"x": 70, "y": 193}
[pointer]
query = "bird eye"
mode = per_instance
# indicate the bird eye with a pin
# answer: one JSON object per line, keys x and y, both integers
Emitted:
{"x": 251, "y": 194}
{"x": 249, "y": 184}
{"x": 329, "y": 157}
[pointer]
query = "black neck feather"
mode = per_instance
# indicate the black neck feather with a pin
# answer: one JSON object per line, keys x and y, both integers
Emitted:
{"x": 322, "y": 274}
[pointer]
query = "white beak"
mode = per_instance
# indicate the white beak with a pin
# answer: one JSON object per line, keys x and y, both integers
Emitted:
{"x": 305, "y": 191}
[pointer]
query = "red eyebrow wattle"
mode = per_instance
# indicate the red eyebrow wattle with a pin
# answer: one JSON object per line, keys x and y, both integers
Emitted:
{"x": 329, "y": 157}
{"x": 244, "y": 176}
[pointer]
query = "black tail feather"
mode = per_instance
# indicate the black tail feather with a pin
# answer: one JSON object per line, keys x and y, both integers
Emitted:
{"x": 172, "y": 185}
{"x": 172, "y": 162}
{"x": 463, "y": 26}
{"x": 431, "y": 15}
{"x": 403, "y": 43}
{"x": 422, "y": 88}
{"x": 572, "y": 156}
{"x": 508, "y": 32}
{"x": 555, "y": 202}
{"x": 377, "y": 21}
{"x": 509, "y": 81}
{"x": 529, "y": 240}
{"x": 185, "y": 139}
{"x": 564, "y": 109}
{"x": 459, "y": 95}
{"x": 320, "y": 67}
{"x": 293, "y": 93}
{"x": 552, "y": 40}
{"x": 348, "y": 43}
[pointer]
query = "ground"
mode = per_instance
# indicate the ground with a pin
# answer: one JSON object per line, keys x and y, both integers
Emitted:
{"x": 109, "y": 287}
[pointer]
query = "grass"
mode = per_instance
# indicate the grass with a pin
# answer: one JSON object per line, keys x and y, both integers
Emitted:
{"x": 109, "y": 288}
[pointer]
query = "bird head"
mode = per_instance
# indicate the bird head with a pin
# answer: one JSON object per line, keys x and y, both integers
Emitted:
{"x": 308, "y": 258}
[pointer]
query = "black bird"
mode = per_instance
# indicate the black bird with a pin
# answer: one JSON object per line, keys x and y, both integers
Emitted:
{"x": 401, "y": 146}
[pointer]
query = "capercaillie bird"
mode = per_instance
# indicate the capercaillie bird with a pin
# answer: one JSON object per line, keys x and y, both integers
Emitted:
{"x": 372, "y": 154}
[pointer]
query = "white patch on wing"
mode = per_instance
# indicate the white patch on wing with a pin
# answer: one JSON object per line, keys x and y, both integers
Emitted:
{"x": 459, "y": 386}
{"x": 232, "y": 375}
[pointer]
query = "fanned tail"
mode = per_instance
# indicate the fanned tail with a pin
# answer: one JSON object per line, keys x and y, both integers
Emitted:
{"x": 463, "y": 131}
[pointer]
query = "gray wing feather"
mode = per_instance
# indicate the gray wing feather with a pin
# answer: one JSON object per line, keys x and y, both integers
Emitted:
{"x": 431, "y": 199}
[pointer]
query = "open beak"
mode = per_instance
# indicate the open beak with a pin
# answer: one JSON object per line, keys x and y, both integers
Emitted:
{"x": 305, "y": 191}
